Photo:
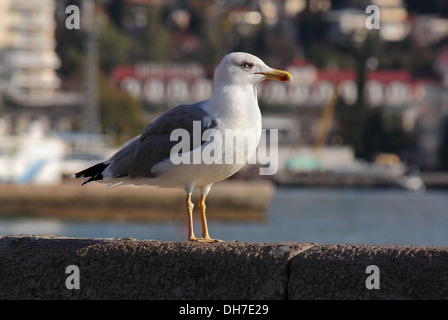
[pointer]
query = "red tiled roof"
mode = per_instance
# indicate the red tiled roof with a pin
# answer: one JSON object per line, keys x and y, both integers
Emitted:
{"x": 121, "y": 72}
{"x": 336, "y": 75}
{"x": 300, "y": 63}
{"x": 388, "y": 76}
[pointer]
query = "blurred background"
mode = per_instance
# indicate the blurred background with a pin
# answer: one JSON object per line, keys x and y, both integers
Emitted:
{"x": 363, "y": 127}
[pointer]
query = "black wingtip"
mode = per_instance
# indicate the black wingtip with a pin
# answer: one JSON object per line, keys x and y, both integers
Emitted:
{"x": 93, "y": 173}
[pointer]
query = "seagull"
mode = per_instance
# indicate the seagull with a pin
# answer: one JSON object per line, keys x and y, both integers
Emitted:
{"x": 147, "y": 159}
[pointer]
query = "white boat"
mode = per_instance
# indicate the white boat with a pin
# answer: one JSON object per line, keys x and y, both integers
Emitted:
{"x": 36, "y": 157}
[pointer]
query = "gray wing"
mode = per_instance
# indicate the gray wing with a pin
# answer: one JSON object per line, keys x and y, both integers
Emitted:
{"x": 137, "y": 158}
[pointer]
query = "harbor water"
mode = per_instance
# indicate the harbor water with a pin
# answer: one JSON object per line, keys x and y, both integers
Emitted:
{"x": 315, "y": 215}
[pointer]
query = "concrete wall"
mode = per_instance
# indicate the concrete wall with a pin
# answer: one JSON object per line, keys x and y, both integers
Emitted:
{"x": 35, "y": 267}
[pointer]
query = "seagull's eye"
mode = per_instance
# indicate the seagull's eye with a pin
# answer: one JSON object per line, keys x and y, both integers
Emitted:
{"x": 248, "y": 65}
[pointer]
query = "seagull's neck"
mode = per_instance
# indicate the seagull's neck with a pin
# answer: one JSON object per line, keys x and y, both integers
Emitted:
{"x": 234, "y": 101}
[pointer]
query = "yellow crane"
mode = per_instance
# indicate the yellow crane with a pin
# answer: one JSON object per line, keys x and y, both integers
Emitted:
{"x": 326, "y": 119}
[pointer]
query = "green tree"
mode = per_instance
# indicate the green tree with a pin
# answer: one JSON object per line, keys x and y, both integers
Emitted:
{"x": 122, "y": 116}
{"x": 360, "y": 53}
{"x": 154, "y": 41}
{"x": 384, "y": 133}
{"x": 115, "y": 48}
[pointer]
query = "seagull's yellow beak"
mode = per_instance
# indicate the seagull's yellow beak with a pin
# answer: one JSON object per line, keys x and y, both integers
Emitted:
{"x": 277, "y": 75}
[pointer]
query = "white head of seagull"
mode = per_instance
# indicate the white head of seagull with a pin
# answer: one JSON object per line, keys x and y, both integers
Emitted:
{"x": 233, "y": 106}
{"x": 240, "y": 68}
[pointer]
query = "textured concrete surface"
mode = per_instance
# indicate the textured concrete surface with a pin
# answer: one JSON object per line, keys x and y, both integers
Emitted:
{"x": 34, "y": 267}
{"x": 340, "y": 272}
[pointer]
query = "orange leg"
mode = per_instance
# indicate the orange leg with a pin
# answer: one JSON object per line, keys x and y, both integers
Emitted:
{"x": 189, "y": 205}
{"x": 205, "y": 235}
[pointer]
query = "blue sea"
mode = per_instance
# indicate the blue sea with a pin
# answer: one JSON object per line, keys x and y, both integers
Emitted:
{"x": 315, "y": 215}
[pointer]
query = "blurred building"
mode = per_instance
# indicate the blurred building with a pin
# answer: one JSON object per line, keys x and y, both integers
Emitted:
{"x": 429, "y": 29}
{"x": 165, "y": 84}
{"x": 351, "y": 20}
{"x": 27, "y": 51}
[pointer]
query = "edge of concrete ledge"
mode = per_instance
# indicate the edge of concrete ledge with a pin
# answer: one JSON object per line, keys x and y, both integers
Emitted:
{"x": 35, "y": 267}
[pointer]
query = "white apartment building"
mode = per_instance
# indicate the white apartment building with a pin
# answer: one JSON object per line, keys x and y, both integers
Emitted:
{"x": 27, "y": 51}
